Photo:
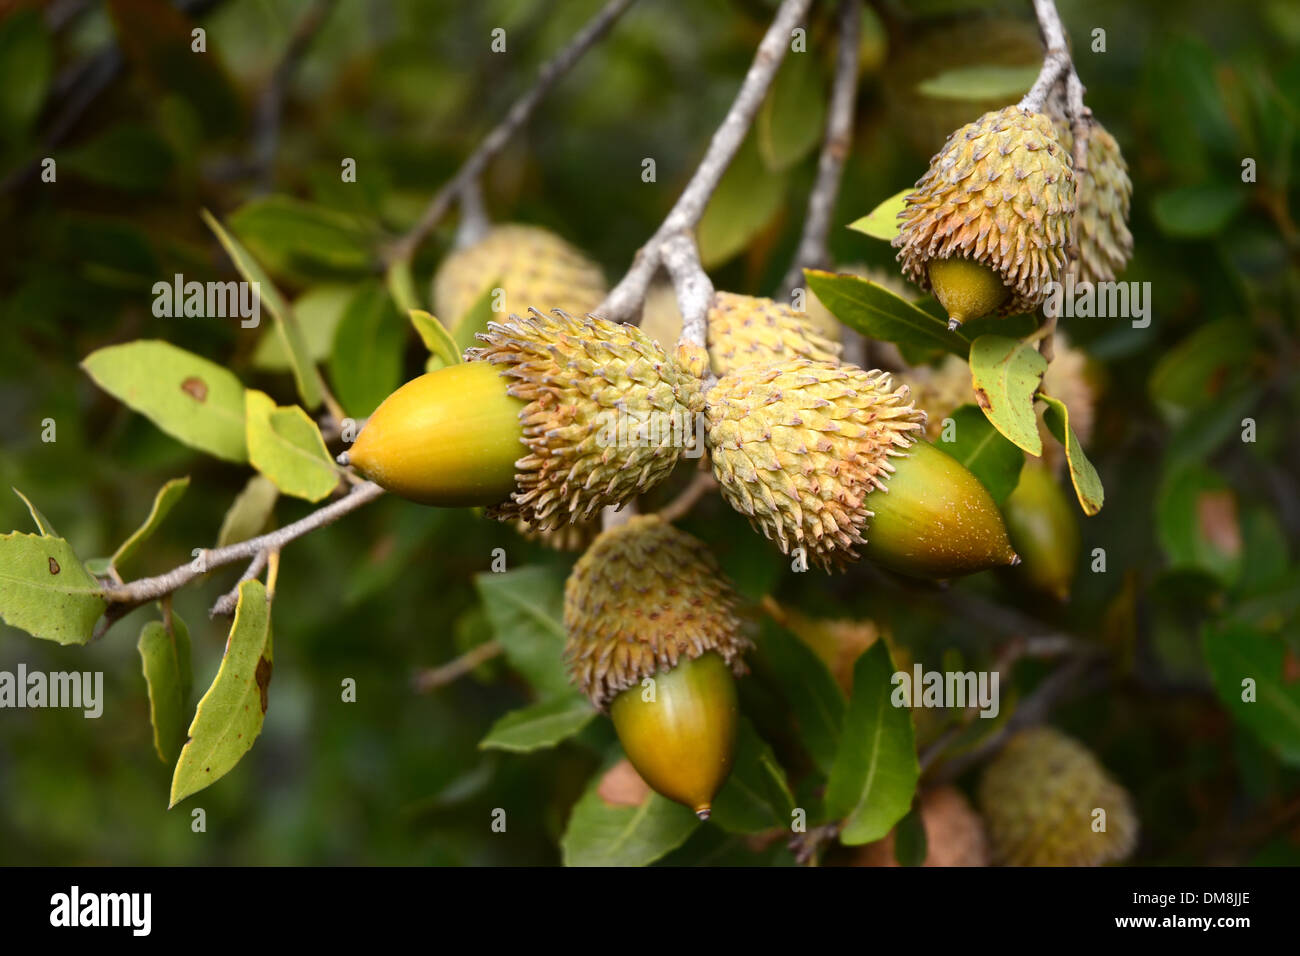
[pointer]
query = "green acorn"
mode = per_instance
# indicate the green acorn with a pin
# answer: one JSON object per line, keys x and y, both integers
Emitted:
{"x": 995, "y": 208}
{"x": 825, "y": 457}
{"x": 653, "y": 638}
{"x": 1044, "y": 531}
{"x": 543, "y": 423}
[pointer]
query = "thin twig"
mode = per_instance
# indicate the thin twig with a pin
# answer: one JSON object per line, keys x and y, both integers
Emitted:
{"x": 135, "y": 593}
{"x": 435, "y": 677}
{"x": 813, "y": 251}
{"x": 270, "y": 106}
{"x": 701, "y": 484}
{"x": 225, "y": 605}
{"x": 518, "y": 115}
{"x": 673, "y": 244}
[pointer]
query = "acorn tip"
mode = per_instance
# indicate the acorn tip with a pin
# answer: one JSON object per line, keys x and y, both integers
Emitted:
{"x": 704, "y": 812}
{"x": 1015, "y": 559}
{"x": 953, "y": 324}
{"x": 344, "y": 459}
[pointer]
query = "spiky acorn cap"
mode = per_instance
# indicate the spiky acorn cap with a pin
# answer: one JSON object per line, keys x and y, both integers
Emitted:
{"x": 1001, "y": 192}
{"x": 566, "y": 537}
{"x": 535, "y": 267}
{"x": 1038, "y": 797}
{"x": 643, "y": 597}
{"x": 742, "y": 329}
{"x": 606, "y": 417}
{"x": 746, "y": 330}
{"x": 798, "y": 445}
{"x": 1105, "y": 195}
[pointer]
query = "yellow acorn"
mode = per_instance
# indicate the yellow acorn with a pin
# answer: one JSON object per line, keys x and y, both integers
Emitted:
{"x": 551, "y": 420}
{"x": 999, "y": 199}
{"x": 824, "y": 457}
{"x": 1040, "y": 799}
{"x": 448, "y": 438}
{"x": 536, "y": 269}
{"x": 653, "y": 638}
{"x": 1105, "y": 194}
{"x": 1044, "y": 530}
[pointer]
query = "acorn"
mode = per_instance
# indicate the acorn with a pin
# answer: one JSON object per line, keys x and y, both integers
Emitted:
{"x": 552, "y": 420}
{"x": 1105, "y": 195}
{"x": 747, "y": 330}
{"x": 1044, "y": 531}
{"x": 742, "y": 330}
{"x": 654, "y": 639}
{"x": 1040, "y": 798}
{"x": 534, "y": 267}
{"x": 818, "y": 454}
{"x": 995, "y": 207}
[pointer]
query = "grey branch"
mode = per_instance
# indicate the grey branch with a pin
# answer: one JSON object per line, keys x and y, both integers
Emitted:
{"x": 227, "y": 603}
{"x": 139, "y": 592}
{"x": 813, "y": 251}
{"x": 270, "y": 106}
{"x": 673, "y": 244}
{"x": 435, "y": 677}
{"x": 1056, "y": 62}
{"x": 519, "y": 114}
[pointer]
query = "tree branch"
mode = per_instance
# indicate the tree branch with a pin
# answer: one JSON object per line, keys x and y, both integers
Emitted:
{"x": 127, "y": 596}
{"x": 435, "y": 677}
{"x": 516, "y": 117}
{"x": 813, "y": 251}
{"x": 673, "y": 244}
{"x": 270, "y": 106}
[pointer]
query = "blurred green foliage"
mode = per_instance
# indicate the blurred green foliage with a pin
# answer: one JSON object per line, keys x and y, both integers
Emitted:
{"x": 1200, "y": 528}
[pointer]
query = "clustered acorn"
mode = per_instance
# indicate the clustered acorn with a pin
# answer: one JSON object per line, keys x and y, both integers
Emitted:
{"x": 1047, "y": 801}
{"x": 654, "y": 639}
{"x": 990, "y": 222}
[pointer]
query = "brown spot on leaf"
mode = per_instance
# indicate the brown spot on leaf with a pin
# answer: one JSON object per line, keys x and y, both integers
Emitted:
{"x": 54, "y": 566}
{"x": 982, "y": 397}
{"x": 195, "y": 388}
{"x": 263, "y": 677}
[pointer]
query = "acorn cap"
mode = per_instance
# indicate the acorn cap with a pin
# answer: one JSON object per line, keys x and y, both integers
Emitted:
{"x": 535, "y": 268}
{"x": 1000, "y": 192}
{"x": 798, "y": 445}
{"x": 1038, "y": 797}
{"x": 746, "y": 330}
{"x": 644, "y": 597}
{"x": 566, "y": 537}
{"x": 1105, "y": 195}
{"x": 607, "y": 413}
{"x": 1044, "y": 530}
